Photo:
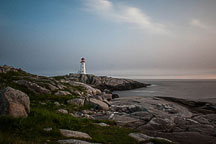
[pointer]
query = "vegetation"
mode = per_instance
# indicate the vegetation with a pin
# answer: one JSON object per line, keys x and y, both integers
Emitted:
{"x": 30, "y": 129}
{"x": 44, "y": 114}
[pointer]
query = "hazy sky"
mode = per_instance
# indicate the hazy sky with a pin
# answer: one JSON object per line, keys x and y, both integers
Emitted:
{"x": 128, "y": 38}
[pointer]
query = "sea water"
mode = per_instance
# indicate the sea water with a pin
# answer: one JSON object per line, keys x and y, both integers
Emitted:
{"x": 202, "y": 90}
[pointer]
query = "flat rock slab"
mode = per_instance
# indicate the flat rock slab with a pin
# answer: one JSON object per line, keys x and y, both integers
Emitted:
{"x": 74, "y": 141}
{"x": 76, "y": 134}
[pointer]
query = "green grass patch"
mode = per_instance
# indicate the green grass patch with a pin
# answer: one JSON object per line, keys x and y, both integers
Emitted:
{"x": 30, "y": 129}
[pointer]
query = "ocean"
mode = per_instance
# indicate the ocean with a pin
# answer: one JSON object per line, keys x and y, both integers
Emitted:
{"x": 202, "y": 90}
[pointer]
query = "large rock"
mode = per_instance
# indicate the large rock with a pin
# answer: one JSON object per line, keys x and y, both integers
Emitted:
{"x": 97, "y": 104}
{"x": 75, "y": 134}
{"x": 14, "y": 102}
{"x": 33, "y": 87}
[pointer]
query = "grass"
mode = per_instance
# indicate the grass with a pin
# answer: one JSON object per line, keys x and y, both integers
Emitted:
{"x": 30, "y": 130}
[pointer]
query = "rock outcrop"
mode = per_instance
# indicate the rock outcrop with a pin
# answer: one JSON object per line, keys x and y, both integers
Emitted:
{"x": 33, "y": 87}
{"x": 103, "y": 82}
{"x": 14, "y": 103}
{"x": 90, "y": 90}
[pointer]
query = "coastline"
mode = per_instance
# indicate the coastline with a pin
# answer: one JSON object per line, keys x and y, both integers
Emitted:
{"x": 88, "y": 99}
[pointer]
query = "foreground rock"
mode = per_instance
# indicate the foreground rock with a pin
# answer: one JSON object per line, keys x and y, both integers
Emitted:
{"x": 14, "y": 103}
{"x": 75, "y": 134}
{"x": 74, "y": 141}
{"x": 157, "y": 117}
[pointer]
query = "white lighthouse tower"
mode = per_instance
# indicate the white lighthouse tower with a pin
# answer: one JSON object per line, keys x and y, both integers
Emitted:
{"x": 82, "y": 66}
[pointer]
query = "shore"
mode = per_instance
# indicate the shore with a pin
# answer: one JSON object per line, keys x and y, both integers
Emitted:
{"x": 83, "y": 108}
{"x": 179, "y": 120}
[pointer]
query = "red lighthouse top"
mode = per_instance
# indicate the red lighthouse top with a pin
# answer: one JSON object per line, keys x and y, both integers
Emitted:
{"x": 82, "y": 59}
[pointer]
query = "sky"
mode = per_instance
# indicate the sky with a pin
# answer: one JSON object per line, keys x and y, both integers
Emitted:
{"x": 125, "y": 38}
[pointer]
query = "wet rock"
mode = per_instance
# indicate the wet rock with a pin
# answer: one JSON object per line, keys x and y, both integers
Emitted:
{"x": 14, "y": 103}
{"x": 75, "y": 134}
{"x": 76, "y": 101}
{"x": 33, "y": 87}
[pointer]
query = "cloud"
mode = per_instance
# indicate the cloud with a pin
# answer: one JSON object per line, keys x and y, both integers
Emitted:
{"x": 198, "y": 23}
{"x": 125, "y": 14}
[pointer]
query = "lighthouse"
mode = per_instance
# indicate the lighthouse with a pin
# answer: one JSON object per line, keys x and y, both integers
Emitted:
{"x": 82, "y": 66}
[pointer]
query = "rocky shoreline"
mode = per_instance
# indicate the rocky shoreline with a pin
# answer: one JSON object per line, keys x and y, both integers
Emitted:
{"x": 179, "y": 120}
{"x": 166, "y": 119}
